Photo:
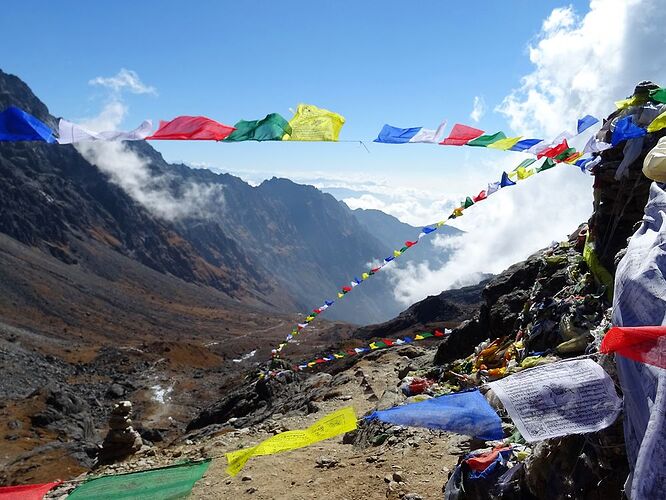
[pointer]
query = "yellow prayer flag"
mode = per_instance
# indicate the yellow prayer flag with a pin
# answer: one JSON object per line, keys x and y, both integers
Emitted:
{"x": 505, "y": 144}
{"x": 523, "y": 173}
{"x": 574, "y": 157}
{"x": 332, "y": 425}
{"x": 397, "y": 253}
{"x": 440, "y": 223}
{"x": 365, "y": 276}
{"x": 340, "y": 295}
{"x": 629, "y": 101}
{"x": 311, "y": 123}
{"x": 373, "y": 345}
{"x": 458, "y": 212}
{"x": 658, "y": 123}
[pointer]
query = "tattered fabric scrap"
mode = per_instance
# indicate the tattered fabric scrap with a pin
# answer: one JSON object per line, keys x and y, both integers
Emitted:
{"x": 465, "y": 413}
{"x": 559, "y": 399}
{"x": 17, "y": 125}
{"x": 332, "y": 425}
{"x": 26, "y": 491}
{"x": 175, "y": 481}
{"x": 646, "y": 344}
{"x": 191, "y": 128}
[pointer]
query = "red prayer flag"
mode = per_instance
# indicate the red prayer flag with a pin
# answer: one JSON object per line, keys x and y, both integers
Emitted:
{"x": 554, "y": 151}
{"x": 320, "y": 360}
{"x": 193, "y": 128}
{"x": 481, "y": 196}
{"x": 410, "y": 244}
{"x": 461, "y": 134}
{"x": 346, "y": 289}
{"x": 27, "y": 491}
{"x": 351, "y": 352}
{"x": 646, "y": 344}
{"x": 375, "y": 269}
{"x": 388, "y": 342}
{"x": 437, "y": 333}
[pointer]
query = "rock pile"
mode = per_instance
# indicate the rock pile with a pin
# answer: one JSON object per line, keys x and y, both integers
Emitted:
{"x": 121, "y": 440}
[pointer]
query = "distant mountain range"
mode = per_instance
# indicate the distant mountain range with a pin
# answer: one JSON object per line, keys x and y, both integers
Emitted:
{"x": 280, "y": 245}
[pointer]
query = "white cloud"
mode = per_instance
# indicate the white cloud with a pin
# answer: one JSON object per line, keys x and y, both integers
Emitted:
{"x": 478, "y": 108}
{"x": 131, "y": 172}
{"x": 584, "y": 64}
{"x": 125, "y": 79}
{"x": 506, "y": 228}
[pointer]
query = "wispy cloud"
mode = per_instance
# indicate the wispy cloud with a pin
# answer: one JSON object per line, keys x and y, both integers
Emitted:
{"x": 124, "y": 80}
{"x": 478, "y": 109}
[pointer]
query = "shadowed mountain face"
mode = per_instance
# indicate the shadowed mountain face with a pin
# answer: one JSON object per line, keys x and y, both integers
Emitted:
{"x": 281, "y": 245}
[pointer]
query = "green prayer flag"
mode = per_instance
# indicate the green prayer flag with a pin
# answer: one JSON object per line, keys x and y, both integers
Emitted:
{"x": 426, "y": 335}
{"x": 658, "y": 95}
{"x": 566, "y": 154}
{"x": 549, "y": 163}
{"x": 486, "y": 140}
{"x": 175, "y": 481}
{"x": 468, "y": 202}
{"x": 271, "y": 128}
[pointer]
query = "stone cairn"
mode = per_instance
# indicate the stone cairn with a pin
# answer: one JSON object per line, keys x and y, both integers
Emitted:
{"x": 121, "y": 440}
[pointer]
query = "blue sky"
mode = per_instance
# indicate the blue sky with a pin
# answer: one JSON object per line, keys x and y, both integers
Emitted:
{"x": 373, "y": 62}
{"x": 537, "y": 66}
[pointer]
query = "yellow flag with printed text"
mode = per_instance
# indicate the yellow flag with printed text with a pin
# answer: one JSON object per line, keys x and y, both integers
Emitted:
{"x": 311, "y": 123}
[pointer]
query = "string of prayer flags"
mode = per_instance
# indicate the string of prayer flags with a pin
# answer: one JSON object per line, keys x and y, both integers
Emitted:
{"x": 70, "y": 133}
{"x": 395, "y": 135}
{"x": 625, "y": 128}
{"x": 461, "y": 135}
{"x": 311, "y": 123}
{"x": 467, "y": 413}
{"x": 334, "y": 424}
{"x": 17, "y": 125}
{"x": 645, "y": 344}
{"x": 272, "y": 127}
{"x": 191, "y": 128}
{"x": 27, "y": 491}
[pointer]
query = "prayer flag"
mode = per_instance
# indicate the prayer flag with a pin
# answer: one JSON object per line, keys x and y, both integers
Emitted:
{"x": 486, "y": 140}
{"x": 468, "y": 202}
{"x": 658, "y": 123}
{"x": 273, "y": 127}
{"x": 26, "y": 491}
{"x": 548, "y": 163}
{"x": 525, "y": 144}
{"x": 553, "y": 151}
{"x": 479, "y": 197}
{"x": 17, "y": 125}
{"x": 506, "y": 181}
{"x": 646, "y": 344}
{"x": 192, "y": 128}
{"x": 658, "y": 95}
{"x": 493, "y": 187}
{"x": 460, "y": 135}
{"x": 395, "y": 135}
{"x": 69, "y": 133}
{"x": 594, "y": 145}
{"x": 625, "y": 128}
{"x": 505, "y": 144}
{"x": 311, "y": 123}
{"x": 465, "y": 413}
{"x": 586, "y": 122}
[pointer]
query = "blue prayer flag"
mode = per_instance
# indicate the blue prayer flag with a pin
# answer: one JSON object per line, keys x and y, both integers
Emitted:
{"x": 428, "y": 230}
{"x": 395, "y": 135}
{"x": 524, "y": 144}
{"x": 626, "y": 129}
{"x": 586, "y": 122}
{"x": 506, "y": 181}
{"x": 465, "y": 413}
{"x": 17, "y": 125}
